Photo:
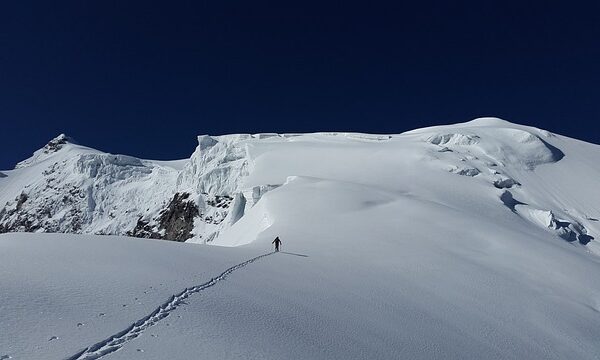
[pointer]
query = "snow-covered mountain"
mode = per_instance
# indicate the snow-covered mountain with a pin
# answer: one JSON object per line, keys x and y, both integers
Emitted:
{"x": 65, "y": 187}
{"x": 468, "y": 241}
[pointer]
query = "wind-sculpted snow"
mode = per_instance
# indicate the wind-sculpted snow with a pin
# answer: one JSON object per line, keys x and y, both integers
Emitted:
{"x": 111, "y": 167}
{"x": 454, "y": 139}
{"x": 504, "y": 146}
{"x": 522, "y": 146}
{"x": 569, "y": 230}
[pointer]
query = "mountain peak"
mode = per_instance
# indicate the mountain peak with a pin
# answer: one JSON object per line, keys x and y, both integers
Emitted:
{"x": 53, "y": 146}
{"x": 489, "y": 121}
{"x": 57, "y": 143}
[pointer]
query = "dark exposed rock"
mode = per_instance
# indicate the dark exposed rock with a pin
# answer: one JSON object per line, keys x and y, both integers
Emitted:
{"x": 144, "y": 230}
{"x": 467, "y": 171}
{"x": 220, "y": 201}
{"x": 177, "y": 220}
{"x": 506, "y": 183}
{"x": 21, "y": 200}
{"x": 57, "y": 143}
{"x": 584, "y": 238}
{"x": 34, "y": 213}
{"x": 21, "y": 224}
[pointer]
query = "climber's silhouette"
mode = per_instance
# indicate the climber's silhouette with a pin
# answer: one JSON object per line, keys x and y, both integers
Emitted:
{"x": 277, "y": 242}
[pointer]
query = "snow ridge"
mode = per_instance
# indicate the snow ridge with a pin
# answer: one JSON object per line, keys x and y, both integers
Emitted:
{"x": 54, "y": 145}
{"x": 118, "y": 340}
{"x": 68, "y": 188}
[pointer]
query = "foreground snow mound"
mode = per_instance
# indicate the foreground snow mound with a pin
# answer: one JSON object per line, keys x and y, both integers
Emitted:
{"x": 61, "y": 292}
{"x": 355, "y": 280}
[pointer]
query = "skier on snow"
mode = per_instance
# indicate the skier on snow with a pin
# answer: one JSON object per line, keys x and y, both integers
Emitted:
{"x": 277, "y": 242}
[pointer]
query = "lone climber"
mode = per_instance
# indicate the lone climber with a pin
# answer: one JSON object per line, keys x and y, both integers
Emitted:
{"x": 277, "y": 242}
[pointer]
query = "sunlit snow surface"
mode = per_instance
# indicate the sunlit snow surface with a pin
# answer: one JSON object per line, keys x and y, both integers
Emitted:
{"x": 467, "y": 241}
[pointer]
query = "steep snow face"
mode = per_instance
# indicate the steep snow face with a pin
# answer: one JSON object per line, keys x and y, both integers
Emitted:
{"x": 486, "y": 162}
{"x": 64, "y": 187}
{"x": 213, "y": 176}
{"x": 216, "y": 166}
{"x": 81, "y": 190}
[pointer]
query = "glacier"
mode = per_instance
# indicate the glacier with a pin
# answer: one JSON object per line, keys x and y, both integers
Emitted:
{"x": 465, "y": 241}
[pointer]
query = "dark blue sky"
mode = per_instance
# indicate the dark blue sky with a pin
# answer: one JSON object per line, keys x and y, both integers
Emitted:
{"x": 144, "y": 78}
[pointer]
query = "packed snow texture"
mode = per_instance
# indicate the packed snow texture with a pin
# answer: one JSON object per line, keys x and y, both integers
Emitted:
{"x": 467, "y": 241}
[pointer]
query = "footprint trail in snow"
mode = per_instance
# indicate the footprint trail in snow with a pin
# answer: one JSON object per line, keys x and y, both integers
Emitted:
{"x": 116, "y": 341}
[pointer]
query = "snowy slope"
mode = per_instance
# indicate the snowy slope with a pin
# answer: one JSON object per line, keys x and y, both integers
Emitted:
{"x": 467, "y": 241}
{"x": 70, "y": 188}
{"x": 485, "y": 166}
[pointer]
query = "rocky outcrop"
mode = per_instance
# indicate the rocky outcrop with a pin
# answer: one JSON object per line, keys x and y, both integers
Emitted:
{"x": 177, "y": 220}
{"x": 82, "y": 190}
{"x": 24, "y": 215}
{"x": 56, "y": 143}
{"x": 53, "y": 146}
{"x": 175, "y": 225}
{"x": 143, "y": 229}
{"x": 505, "y": 183}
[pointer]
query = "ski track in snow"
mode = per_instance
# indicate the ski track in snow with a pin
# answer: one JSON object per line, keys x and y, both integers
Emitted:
{"x": 118, "y": 340}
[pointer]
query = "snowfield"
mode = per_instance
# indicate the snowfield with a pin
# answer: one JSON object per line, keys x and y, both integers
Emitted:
{"x": 467, "y": 241}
